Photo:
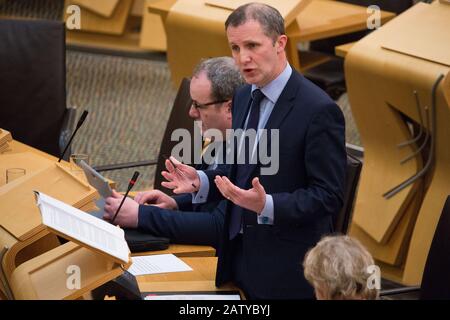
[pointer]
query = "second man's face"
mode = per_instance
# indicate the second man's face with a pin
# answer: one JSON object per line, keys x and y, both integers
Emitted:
{"x": 214, "y": 116}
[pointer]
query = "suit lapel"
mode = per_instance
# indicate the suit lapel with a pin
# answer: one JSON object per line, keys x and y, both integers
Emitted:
{"x": 281, "y": 109}
{"x": 284, "y": 103}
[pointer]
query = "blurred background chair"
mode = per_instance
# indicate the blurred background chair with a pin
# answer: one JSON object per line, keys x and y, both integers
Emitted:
{"x": 330, "y": 74}
{"x": 33, "y": 84}
{"x": 342, "y": 220}
{"x": 179, "y": 118}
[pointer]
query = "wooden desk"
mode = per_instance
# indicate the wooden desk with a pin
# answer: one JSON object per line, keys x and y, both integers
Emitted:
{"x": 343, "y": 49}
{"x": 324, "y": 19}
{"x": 384, "y": 72}
{"x": 182, "y": 250}
{"x": 16, "y": 147}
{"x": 320, "y": 19}
{"x": 20, "y": 222}
{"x": 202, "y": 278}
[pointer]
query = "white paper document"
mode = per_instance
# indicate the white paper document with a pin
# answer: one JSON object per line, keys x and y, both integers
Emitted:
{"x": 159, "y": 263}
{"x": 83, "y": 227}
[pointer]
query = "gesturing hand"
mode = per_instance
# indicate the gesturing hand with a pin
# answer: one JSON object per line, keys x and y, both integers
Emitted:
{"x": 181, "y": 178}
{"x": 156, "y": 198}
{"x": 253, "y": 199}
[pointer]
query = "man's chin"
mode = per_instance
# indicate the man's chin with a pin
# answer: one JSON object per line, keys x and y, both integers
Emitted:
{"x": 252, "y": 79}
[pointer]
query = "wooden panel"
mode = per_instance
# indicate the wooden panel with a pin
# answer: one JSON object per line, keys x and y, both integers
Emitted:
{"x": 5, "y": 136}
{"x": 115, "y": 24}
{"x": 153, "y": 35}
{"x": 343, "y": 49}
{"x": 128, "y": 41}
{"x": 160, "y": 7}
{"x": 104, "y": 8}
{"x": 393, "y": 252}
{"x": 26, "y": 160}
{"x": 17, "y": 147}
{"x": 427, "y": 43}
{"x": 45, "y": 277}
{"x": 19, "y": 214}
{"x": 380, "y": 84}
{"x": 138, "y": 7}
{"x": 324, "y": 18}
{"x": 182, "y": 250}
{"x": 288, "y": 9}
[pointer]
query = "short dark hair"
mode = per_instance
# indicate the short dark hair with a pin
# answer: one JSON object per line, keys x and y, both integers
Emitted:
{"x": 268, "y": 17}
{"x": 224, "y": 76}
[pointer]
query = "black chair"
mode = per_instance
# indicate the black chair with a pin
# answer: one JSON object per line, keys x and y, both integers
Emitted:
{"x": 436, "y": 277}
{"x": 342, "y": 220}
{"x": 33, "y": 84}
{"x": 179, "y": 118}
{"x": 330, "y": 75}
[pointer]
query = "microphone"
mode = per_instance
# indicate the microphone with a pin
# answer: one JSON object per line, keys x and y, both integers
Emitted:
{"x": 130, "y": 185}
{"x": 80, "y": 122}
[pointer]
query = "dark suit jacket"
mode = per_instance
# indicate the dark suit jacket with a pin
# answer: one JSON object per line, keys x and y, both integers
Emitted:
{"x": 191, "y": 224}
{"x": 306, "y": 191}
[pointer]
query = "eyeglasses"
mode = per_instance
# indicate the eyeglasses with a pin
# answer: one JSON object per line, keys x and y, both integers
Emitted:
{"x": 197, "y": 105}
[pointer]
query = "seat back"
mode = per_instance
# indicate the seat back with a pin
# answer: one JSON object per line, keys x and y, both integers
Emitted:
{"x": 342, "y": 220}
{"x": 32, "y": 81}
{"x": 436, "y": 277}
{"x": 179, "y": 118}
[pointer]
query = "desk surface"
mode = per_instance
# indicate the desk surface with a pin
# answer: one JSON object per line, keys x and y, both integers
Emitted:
{"x": 203, "y": 269}
{"x": 202, "y": 278}
{"x": 181, "y": 250}
{"x": 16, "y": 147}
{"x": 324, "y": 18}
{"x": 343, "y": 49}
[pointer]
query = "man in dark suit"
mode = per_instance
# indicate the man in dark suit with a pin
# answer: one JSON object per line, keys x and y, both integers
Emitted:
{"x": 212, "y": 86}
{"x": 272, "y": 220}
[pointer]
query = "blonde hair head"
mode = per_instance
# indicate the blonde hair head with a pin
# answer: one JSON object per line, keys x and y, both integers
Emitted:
{"x": 337, "y": 268}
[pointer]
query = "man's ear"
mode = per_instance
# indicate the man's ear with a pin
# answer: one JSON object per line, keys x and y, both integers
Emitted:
{"x": 281, "y": 43}
{"x": 228, "y": 108}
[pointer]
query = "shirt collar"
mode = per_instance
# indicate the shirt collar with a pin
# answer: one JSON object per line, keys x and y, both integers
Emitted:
{"x": 273, "y": 89}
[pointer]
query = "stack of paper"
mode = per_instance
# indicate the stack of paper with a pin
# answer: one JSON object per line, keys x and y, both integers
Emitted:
{"x": 5, "y": 137}
{"x": 82, "y": 228}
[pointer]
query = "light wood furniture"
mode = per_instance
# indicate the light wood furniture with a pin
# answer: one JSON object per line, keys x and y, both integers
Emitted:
{"x": 181, "y": 250}
{"x": 343, "y": 49}
{"x": 46, "y": 277}
{"x": 21, "y": 231}
{"x": 382, "y": 72}
{"x": 195, "y": 30}
{"x": 102, "y": 7}
{"x": 92, "y": 21}
{"x": 122, "y": 25}
{"x": 202, "y": 278}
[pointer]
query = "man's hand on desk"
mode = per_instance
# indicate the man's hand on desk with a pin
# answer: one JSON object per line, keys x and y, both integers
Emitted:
{"x": 253, "y": 199}
{"x": 128, "y": 214}
{"x": 156, "y": 198}
{"x": 180, "y": 178}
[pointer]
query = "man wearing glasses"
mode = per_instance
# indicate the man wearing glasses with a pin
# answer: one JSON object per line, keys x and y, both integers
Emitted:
{"x": 212, "y": 87}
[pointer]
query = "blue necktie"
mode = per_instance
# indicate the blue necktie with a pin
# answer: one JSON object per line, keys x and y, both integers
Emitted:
{"x": 242, "y": 171}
